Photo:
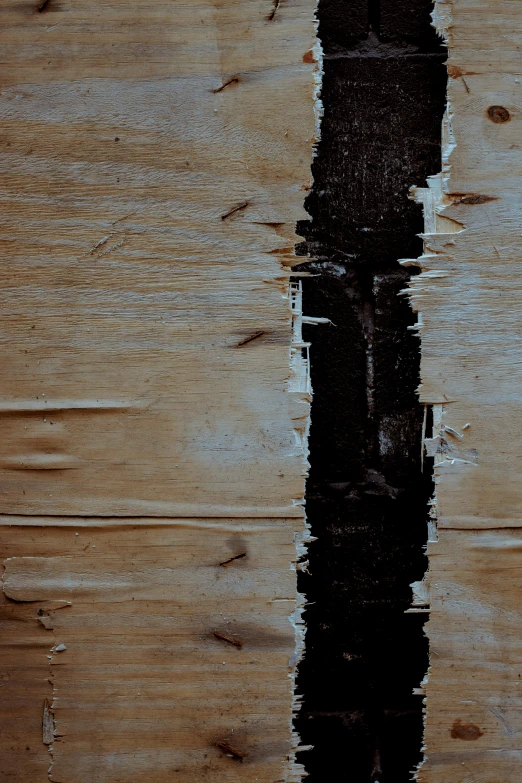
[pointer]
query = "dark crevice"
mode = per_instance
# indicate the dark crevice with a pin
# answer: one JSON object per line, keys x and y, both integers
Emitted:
{"x": 374, "y": 17}
{"x": 383, "y": 94}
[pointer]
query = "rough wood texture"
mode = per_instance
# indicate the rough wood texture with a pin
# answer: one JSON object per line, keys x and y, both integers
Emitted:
{"x": 176, "y": 639}
{"x": 154, "y": 394}
{"x": 468, "y": 298}
{"x": 474, "y": 704}
{"x": 155, "y": 161}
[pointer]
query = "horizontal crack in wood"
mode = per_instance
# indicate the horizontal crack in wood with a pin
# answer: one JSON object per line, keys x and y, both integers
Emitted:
{"x": 231, "y": 560}
{"x": 229, "y": 639}
{"x": 250, "y": 339}
{"x": 233, "y": 80}
{"x": 233, "y": 211}
{"x": 225, "y": 747}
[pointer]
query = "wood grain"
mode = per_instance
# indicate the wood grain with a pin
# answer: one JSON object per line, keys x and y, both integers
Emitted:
{"x": 125, "y": 634}
{"x": 469, "y": 296}
{"x": 147, "y": 226}
{"x": 473, "y": 698}
{"x": 154, "y": 393}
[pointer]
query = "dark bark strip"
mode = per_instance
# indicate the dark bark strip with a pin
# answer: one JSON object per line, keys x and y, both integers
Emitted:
{"x": 383, "y": 94}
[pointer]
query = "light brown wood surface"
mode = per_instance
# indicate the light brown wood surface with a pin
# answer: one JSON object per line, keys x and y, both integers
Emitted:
{"x": 154, "y": 390}
{"x": 168, "y": 652}
{"x": 128, "y": 281}
{"x": 469, "y": 299}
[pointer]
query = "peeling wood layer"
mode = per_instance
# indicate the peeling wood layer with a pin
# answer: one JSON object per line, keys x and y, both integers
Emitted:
{"x": 155, "y": 395}
{"x": 468, "y": 302}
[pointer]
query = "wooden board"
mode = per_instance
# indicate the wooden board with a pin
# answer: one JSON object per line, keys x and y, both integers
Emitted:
{"x": 179, "y": 640}
{"x": 155, "y": 161}
{"x": 154, "y": 393}
{"x": 473, "y": 692}
{"x": 469, "y": 299}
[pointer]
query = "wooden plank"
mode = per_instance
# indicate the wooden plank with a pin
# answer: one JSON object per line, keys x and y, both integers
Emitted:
{"x": 153, "y": 648}
{"x": 468, "y": 296}
{"x": 474, "y": 700}
{"x": 156, "y": 159}
{"x": 154, "y": 396}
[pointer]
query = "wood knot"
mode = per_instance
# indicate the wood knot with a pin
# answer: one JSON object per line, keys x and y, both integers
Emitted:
{"x": 454, "y": 72}
{"x": 498, "y": 114}
{"x": 465, "y": 731}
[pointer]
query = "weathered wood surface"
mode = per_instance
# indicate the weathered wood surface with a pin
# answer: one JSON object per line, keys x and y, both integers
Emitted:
{"x": 168, "y": 652}
{"x": 469, "y": 301}
{"x": 155, "y": 160}
{"x": 474, "y": 704}
{"x": 154, "y": 394}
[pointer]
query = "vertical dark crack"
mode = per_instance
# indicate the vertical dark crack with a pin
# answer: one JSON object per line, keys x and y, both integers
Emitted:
{"x": 374, "y": 16}
{"x": 383, "y": 94}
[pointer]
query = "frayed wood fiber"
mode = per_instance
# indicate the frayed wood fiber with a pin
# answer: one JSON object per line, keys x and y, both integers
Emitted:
{"x": 469, "y": 299}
